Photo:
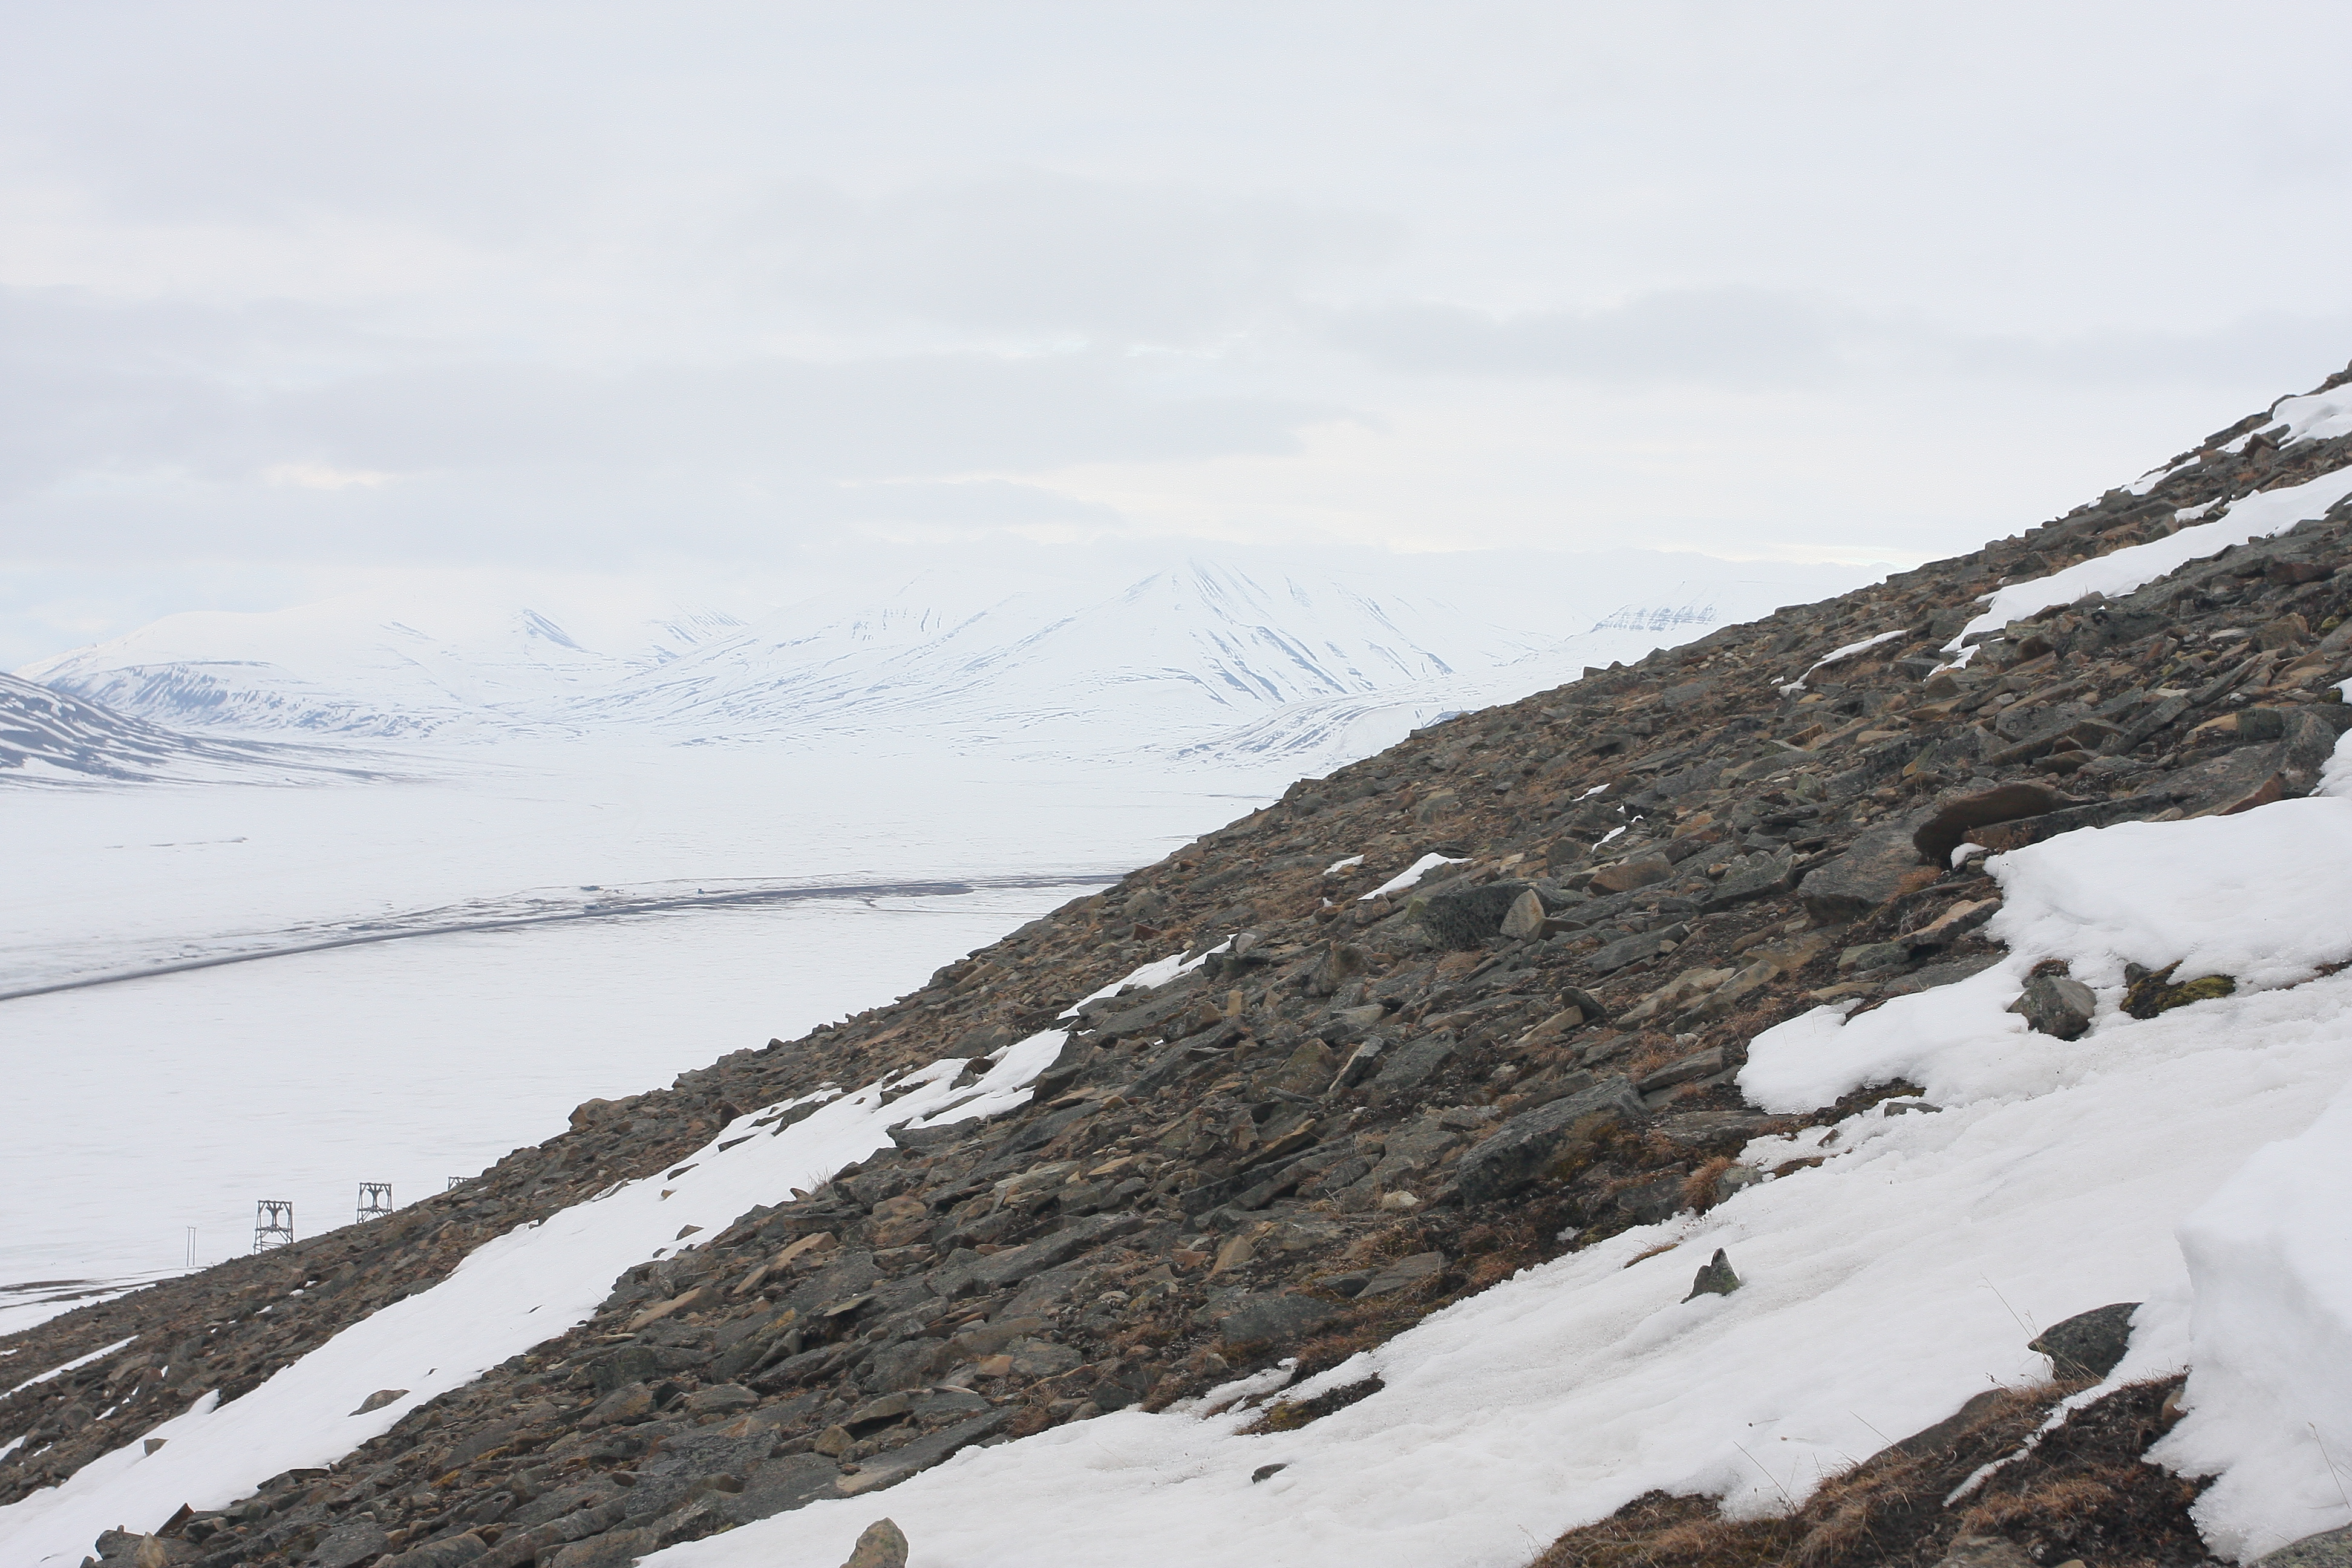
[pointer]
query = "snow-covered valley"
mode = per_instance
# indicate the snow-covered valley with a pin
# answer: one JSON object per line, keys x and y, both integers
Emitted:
{"x": 281, "y": 991}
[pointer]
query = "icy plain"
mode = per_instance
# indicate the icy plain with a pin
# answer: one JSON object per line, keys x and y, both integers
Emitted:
{"x": 526, "y": 927}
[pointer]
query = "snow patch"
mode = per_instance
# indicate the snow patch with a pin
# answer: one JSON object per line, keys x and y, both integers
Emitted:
{"x": 1411, "y": 874}
{"x": 511, "y": 1293}
{"x": 2257, "y": 516}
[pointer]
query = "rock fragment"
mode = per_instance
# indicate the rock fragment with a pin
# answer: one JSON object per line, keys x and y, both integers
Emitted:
{"x": 1715, "y": 1278}
{"x": 2056, "y": 1004}
{"x": 883, "y": 1545}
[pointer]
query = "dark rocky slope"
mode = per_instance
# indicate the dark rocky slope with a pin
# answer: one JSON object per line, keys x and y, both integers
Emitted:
{"x": 1358, "y": 1110}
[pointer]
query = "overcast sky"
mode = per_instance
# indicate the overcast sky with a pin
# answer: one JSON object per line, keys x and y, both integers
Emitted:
{"x": 294, "y": 297}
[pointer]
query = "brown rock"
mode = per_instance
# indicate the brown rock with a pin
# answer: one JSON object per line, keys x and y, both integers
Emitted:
{"x": 1947, "y": 830}
{"x": 1525, "y": 917}
{"x": 1624, "y": 876}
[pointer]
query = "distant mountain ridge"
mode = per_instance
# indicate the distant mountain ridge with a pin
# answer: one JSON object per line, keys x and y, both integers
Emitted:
{"x": 53, "y": 736}
{"x": 1164, "y": 657}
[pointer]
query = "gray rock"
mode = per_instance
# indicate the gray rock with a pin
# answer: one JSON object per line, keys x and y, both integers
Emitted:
{"x": 1018, "y": 1263}
{"x": 1948, "y": 826}
{"x": 452, "y": 1550}
{"x": 1756, "y": 877}
{"x": 2056, "y": 1005}
{"x": 1274, "y": 1319}
{"x": 883, "y": 1545}
{"x": 2088, "y": 1344}
{"x": 722, "y": 1400}
{"x": 354, "y": 1540}
{"x": 1881, "y": 864}
{"x": 2328, "y": 1549}
{"x": 1715, "y": 1278}
{"x": 1950, "y": 972}
{"x": 1359, "y": 1063}
{"x": 911, "y": 1364}
{"x": 2235, "y": 782}
{"x": 2310, "y": 742}
{"x": 1521, "y": 1150}
{"x": 1659, "y": 1198}
{"x": 887, "y": 1468}
{"x": 1075, "y": 1056}
{"x": 1702, "y": 1064}
{"x": 1404, "y": 1274}
{"x": 1635, "y": 949}
{"x": 1412, "y": 1066}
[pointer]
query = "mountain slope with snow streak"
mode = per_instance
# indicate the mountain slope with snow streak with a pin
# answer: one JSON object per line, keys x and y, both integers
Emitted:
{"x": 1771, "y": 1046}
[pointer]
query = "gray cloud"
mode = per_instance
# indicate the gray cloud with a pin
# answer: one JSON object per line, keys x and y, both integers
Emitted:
{"x": 449, "y": 284}
{"x": 1747, "y": 339}
{"x": 86, "y": 391}
{"x": 1028, "y": 251}
{"x": 1734, "y": 336}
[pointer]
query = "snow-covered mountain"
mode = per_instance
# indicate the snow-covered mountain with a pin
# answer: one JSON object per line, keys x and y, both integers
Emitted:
{"x": 371, "y": 666}
{"x": 1198, "y": 656}
{"x": 51, "y": 737}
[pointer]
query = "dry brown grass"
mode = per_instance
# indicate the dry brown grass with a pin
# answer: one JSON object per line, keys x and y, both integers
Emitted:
{"x": 1698, "y": 1190}
{"x": 1654, "y": 1053}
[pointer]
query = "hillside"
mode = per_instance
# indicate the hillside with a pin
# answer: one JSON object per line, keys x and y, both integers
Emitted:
{"x": 1811, "y": 1094}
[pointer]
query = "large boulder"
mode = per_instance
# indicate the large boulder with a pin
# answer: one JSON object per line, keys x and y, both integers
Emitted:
{"x": 1521, "y": 1150}
{"x": 1274, "y": 1320}
{"x": 1756, "y": 877}
{"x": 1467, "y": 917}
{"x": 1947, "y": 827}
{"x": 1881, "y": 864}
{"x": 2089, "y": 1344}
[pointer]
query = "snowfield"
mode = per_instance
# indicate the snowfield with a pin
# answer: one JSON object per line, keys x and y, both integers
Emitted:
{"x": 2185, "y": 1162}
{"x": 533, "y": 927}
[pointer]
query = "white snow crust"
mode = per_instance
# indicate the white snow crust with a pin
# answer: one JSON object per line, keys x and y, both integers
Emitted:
{"x": 2317, "y": 416}
{"x": 1411, "y": 874}
{"x": 2257, "y": 516}
{"x": 1838, "y": 656}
